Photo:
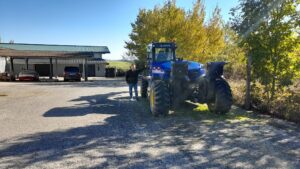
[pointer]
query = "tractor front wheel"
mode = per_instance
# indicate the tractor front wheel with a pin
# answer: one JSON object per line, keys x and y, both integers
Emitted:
{"x": 223, "y": 98}
{"x": 159, "y": 98}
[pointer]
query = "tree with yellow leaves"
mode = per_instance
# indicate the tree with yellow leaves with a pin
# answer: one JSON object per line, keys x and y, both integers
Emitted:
{"x": 195, "y": 40}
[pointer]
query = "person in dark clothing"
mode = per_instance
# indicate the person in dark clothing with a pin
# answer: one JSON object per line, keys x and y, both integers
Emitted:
{"x": 132, "y": 80}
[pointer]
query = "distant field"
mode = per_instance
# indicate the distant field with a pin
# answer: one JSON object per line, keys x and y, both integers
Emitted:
{"x": 119, "y": 64}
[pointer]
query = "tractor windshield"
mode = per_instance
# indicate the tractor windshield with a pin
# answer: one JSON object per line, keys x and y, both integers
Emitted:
{"x": 163, "y": 54}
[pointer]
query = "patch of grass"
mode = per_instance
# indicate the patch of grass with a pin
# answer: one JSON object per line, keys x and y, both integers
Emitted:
{"x": 201, "y": 112}
{"x": 120, "y": 64}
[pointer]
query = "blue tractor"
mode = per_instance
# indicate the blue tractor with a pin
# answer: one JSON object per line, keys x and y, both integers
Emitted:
{"x": 170, "y": 81}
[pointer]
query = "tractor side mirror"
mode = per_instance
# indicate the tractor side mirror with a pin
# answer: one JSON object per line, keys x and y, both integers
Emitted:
{"x": 149, "y": 58}
{"x": 179, "y": 59}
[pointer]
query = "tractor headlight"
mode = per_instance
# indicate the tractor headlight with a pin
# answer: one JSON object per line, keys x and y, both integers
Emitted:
{"x": 158, "y": 70}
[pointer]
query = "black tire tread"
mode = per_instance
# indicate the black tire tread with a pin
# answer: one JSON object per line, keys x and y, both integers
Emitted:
{"x": 162, "y": 98}
{"x": 223, "y": 97}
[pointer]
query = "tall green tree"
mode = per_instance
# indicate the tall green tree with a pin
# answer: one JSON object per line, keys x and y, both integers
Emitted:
{"x": 235, "y": 55}
{"x": 268, "y": 33}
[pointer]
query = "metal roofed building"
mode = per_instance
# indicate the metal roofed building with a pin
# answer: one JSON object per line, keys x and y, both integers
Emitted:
{"x": 15, "y": 57}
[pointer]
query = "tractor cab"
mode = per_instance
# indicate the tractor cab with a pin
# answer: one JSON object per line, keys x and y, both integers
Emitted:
{"x": 161, "y": 52}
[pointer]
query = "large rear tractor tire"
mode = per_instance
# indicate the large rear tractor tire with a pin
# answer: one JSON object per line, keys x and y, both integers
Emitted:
{"x": 144, "y": 88}
{"x": 159, "y": 98}
{"x": 223, "y": 98}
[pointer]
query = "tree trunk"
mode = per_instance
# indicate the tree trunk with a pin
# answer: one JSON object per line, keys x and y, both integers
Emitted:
{"x": 273, "y": 81}
{"x": 248, "y": 84}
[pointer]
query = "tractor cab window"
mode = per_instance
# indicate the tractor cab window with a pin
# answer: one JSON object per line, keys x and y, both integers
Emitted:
{"x": 163, "y": 54}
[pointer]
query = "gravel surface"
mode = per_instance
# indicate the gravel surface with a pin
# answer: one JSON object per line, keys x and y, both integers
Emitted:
{"x": 94, "y": 125}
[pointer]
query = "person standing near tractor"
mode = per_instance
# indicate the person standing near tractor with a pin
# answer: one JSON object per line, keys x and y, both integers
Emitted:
{"x": 132, "y": 80}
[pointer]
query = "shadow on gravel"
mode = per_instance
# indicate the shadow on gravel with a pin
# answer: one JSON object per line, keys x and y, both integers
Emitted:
{"x": 96, "y": 104}
{"x": 132, "y": 138}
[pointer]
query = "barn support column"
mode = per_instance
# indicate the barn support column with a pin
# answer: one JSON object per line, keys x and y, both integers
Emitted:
{"x": 26, "y": 62}
{"x": 56, "y": 68}
{"x": 84, "y": 70}
{"x": 12, "y": 70}
{"x": 51, "y": 69}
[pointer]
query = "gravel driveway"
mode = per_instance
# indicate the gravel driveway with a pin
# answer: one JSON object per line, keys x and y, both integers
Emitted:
{"x": 93, "y": 125}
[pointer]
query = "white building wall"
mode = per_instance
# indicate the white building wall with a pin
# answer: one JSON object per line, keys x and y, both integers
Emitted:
{"x": 97, "y": 55}
{"x": 100, "y": 70}
{"x": 2, "y": 64}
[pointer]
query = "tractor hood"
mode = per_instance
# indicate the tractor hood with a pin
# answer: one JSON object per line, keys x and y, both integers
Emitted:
{"x": 163, "y": 69}
{"x": 166, "y": 66}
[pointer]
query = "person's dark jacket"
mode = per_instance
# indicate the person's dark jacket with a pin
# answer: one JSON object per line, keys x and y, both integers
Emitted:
{"x": 132, "y": 76}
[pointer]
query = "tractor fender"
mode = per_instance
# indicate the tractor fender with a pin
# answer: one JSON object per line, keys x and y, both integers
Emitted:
{"x": 215, "y": 70}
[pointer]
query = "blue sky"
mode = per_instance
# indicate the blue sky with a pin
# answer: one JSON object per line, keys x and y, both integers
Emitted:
{"x": 81, "y": 22}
